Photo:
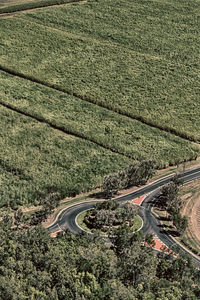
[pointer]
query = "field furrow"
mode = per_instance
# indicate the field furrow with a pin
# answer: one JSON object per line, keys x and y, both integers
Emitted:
{"x": 93, "y": 123}
{"x": 102, "y": 105}
{"x": 60, "y": 128}
{"x": 7, "y": 7}
{"x": 36, "y": 160}
{"x": 160, "y": 92}
{"x": 85, "y": 89}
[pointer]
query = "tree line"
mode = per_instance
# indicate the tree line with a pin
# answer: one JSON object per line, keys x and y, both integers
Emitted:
{"x": 170, "y": 201}
{"x": 135, "y": 174}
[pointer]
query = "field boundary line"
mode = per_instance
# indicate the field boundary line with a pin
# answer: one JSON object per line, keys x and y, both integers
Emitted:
{"x": 105, "y": 106}
{"x": 16, "y": 11}
{"x": 62, "y": 129}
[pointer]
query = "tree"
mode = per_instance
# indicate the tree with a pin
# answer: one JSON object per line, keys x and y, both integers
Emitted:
{"x": 136, "y": 173}
{"x": 177, "y": 179}
{"x": 168, "y": 195}
{"x": 111, "y": 185}
{"x": 138, "y": 265}
{"x": 104, "y": 218}
{"x": 123, "y": 237}
{"x": 126, "y": 212}
{"x": 48, "y": 206}
{"x": 139, "y": 172}
{"x": 149, "y": 240}
{"x": 19, "y": 218}
{"x": 107, "y": 205}
{"x": 181, "y": 223}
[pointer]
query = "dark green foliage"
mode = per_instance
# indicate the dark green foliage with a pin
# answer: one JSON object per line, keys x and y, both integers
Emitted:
{"x": 149, "y": 240}
{"x": 48, "y": 206}
{"x": 110, "y": 185}
{"x": 123, "y": 237}
{"x": 35, "y": 266}
{"x": 108, "y": 205}
{"x": 169, "y": 200}
{"x": 139, "y": 173}
{"x": 135, "y": 174}
{"x": 177, "y": 179}
{"x": 107, "y": 214}
{"x": 168, "y": 195}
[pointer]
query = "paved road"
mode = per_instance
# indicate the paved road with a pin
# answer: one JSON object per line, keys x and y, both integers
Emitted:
{"x": 67, "y": 219}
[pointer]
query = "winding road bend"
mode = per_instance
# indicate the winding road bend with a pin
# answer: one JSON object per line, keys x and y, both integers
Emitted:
{"x": 67, "y": 218}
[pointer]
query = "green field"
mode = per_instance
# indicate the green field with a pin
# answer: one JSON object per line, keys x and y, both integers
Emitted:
{"x": 9, "y": 6}
{"x": 36, "y": 160}
{"x": 109, "y": 129}
{"x": 139, "y": 67}
{"x": 80, "y": 100}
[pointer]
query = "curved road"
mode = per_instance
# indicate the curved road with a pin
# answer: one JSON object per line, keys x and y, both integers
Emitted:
{"x": 67, "y": 218}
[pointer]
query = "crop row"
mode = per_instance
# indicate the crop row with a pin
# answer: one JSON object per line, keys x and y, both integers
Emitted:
{"x": 149, "y": 88}
{"x": 9, "y": 7}
{"x": 36, "y": 160}
{"x": 93, "y": 123}
{"x": 165, "y": 29}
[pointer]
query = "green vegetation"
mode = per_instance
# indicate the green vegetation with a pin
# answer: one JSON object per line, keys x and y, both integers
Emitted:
{"x": 36, "y": 160}
{"x": 93, "y": 88}
{"x": 169, "y": 200}
{"x": 85, "y": 91}
{"x": 136, "y": 222}
{"x": 35, "y": 266}
{"x": 111, "y": 130}
{"x": 135, "y": 174}
{"x": 108, "y": 215}
{"x": 140, "y": 63}
{"x": 81, "y": 223}
{"x": 19, "y": 5}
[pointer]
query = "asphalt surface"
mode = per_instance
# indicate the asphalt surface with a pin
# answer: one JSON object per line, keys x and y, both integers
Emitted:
{"x": 67, "y": 218}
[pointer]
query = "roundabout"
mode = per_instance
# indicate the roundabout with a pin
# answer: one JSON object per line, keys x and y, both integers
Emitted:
{"x": 144, "y": 198}
{"x": 136, "y": 224}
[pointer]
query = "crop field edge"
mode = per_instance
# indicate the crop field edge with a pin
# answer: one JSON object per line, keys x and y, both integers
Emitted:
{"x": 36, "y": 5}
{"x": 108, "y": 107}
{"x": 62, "y": 129}
{"x": 106, "y": 144}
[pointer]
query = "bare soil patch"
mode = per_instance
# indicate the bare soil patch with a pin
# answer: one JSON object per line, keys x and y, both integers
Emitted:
{"x": 191, "y": 209}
